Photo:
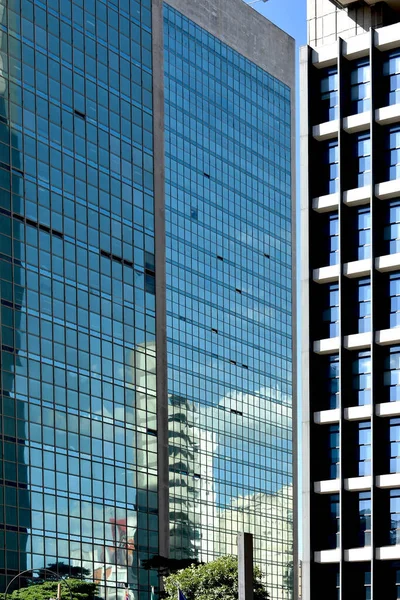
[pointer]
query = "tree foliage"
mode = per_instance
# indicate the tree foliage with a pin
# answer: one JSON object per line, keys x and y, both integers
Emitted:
{"x": 216, "y": 580}
{"x": 166, "y": 566}
{"x": 80, "y": 590}
{"x": 60, "y": 569}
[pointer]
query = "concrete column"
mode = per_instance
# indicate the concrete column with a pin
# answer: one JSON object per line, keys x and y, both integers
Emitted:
{"x": 245, "y": 566}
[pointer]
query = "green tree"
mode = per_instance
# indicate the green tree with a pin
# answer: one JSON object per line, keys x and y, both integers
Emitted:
{"x": 60, "y": 569}
{"x": 80, "y": 590}
{"x": 166, "y": 566}
{"x": 216, "y": 580}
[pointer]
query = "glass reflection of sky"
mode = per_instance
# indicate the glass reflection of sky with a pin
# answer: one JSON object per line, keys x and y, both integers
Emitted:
{"x": 228, "y": 201}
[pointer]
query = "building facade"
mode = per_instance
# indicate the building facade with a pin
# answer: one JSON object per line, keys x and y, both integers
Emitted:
{"x": 350, "y": 124}
{"x": 228, "y": 144}
{"x": 146, "y": 188}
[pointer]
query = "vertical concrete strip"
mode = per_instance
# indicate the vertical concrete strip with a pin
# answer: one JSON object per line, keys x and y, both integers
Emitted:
{"x": 245, "y": 566}
{"x": 159, "y": 227}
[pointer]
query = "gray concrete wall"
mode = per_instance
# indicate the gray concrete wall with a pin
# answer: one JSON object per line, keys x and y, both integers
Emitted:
{"x": 246, "y": 31}
{"x": 326, "y": 22}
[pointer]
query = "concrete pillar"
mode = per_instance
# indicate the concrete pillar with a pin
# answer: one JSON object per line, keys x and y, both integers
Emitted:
{"x": 245, "y": 558}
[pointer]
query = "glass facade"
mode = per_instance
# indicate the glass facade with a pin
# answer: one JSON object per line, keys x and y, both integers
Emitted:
{"x": 79, "y": 355}
{"x": 78, "y": 398}
{"x": 228, "y": 220}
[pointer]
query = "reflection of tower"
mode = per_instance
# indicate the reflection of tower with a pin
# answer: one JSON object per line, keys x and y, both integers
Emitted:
{"x": 191, "y": 487}
{"x": 14, "y": 468}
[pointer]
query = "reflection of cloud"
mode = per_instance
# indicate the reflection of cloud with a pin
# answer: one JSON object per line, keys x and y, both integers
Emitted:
{"x": 259, "y": 411}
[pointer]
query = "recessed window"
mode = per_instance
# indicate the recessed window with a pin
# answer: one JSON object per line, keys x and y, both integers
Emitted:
{"x": 334, "y": 522}
{"x": 362, "y": 156}
{"x": 394, "y": 440}
{"x": 364, "y": 233}
{"x": 391, "y": 232}
{"x": 367, "y": 585}
{"x": 361, "y": 378}
{"x": 364, "y": 305}
{"x": 364, "y": 514}
{"x": 394, "y": 537}
{"x": 391, "y": 375}
{"x": 392, "y": 158}
{"x": 333, "y": 238}
{"x": 360, "y": 87}
{"x": 391, "y": 71}
{"x": 333, "y": 381}
{"x": 364, "y": 449}
{"x": 330, "y": 316}
{"x": 333, "y": 451}
{"x": 394, "y": 292}
{"x": 331, "y": 167}
{"x": 329, "y": 95}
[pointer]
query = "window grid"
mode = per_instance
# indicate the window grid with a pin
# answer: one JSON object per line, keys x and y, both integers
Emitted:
{"x": 330, "y": 95}
{"x": 392, "y": 158}
{"x": 364, "y": 305}
{"x": 363, "y": 160}
{"x": 364, "y": 449}
{"x": 330, "y": 315}
{"x": 394, "y": 291}
{"x": 362, "y": 379}
{"x": 360, "y": 87}
{"x": 391, "y": 375}
{"x": 392, "y": 72}
{"x": 364, "y": 233}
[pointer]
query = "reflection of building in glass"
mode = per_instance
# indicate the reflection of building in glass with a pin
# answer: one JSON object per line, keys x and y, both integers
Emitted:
{"x": 191, "y": 486}
{"x": 77, "y": 282}
{"x": 14, "y": 470}
{"x": 85, "y": 391}
{"x": 269, "y": 517}
{"x": 229, "y": 143}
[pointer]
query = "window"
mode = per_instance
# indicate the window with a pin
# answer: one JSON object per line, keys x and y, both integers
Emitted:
{"x": 397, "y": 584}
{"x": 364, "y": 513}
{"x": 394, "y": 440}
{"x": 333, "y": 238}
{"x": 360, "y": 87}
{"x": 391, "y": 232}
{"x": 331, "y": 162}
{"x": 333, "y": 381}
{"x": 394, "y": 291}
{"x": 393, "y": 153}
{"x": 328, "y": 168}
{"x": 333, "y": 451}
{"x": 329, "y": 95}
{"x": 330, "y": 315}
{"x": 337, "y": 585}
{"x": 362, "y": 150}
{"x": 364, "y": 449}
{"x": 364, "y": 305}
{"x": 367, "y": 585}
{"x": 364, "y": 233}
{"x": 334, "y": 521}
{"x": 391, "y": 70}
{"x": 394, "y": 536}
{"x": 362, "y": 378}
{"x": 391, "y": 375}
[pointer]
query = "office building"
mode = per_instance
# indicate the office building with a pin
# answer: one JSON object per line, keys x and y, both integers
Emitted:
{"x": 350, "y": 148}
{"x": 146, "y": 285}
